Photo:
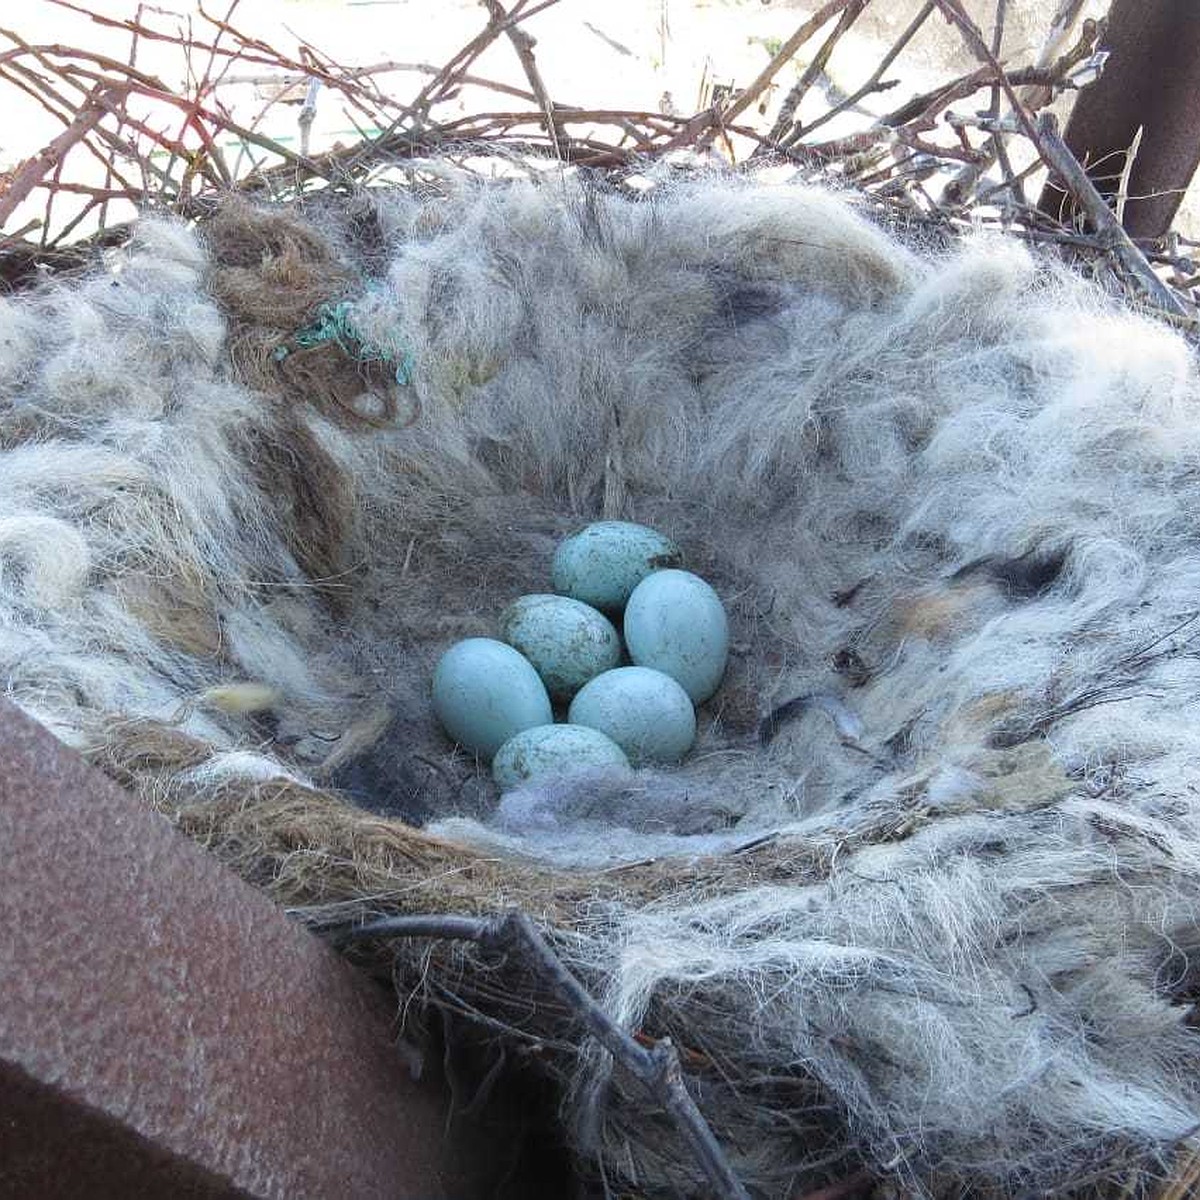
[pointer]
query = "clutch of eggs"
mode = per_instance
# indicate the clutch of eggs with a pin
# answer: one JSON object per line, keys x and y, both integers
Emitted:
{"x": 494, "y": 697}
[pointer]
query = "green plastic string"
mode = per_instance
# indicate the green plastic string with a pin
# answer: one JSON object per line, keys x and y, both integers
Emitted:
{"x": 333, "y": 324}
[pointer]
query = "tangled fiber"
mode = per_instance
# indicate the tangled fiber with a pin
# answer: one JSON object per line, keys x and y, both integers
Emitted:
{"x": 923, "y": 899}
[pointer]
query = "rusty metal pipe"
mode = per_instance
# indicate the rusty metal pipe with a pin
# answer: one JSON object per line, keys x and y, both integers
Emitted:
{"x": 1152, "y": 80}
{"x": 165, "y": 1031}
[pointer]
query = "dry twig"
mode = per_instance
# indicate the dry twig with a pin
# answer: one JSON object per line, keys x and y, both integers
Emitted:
{"x": 922, "y": 157}
{"x": 785, "y": 54}
{"x": 523, "y": 44}
{"x": 1108, "y": 229}
{"x": 656, "y": 1067}
{"x": 34, "y": 170}
{"x": 782, "y": 131}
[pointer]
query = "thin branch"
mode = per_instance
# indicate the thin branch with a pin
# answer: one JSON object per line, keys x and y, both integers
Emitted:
{"x": 1061, "y": 27}
{"x": 1122, "y": 196}
{"x": 26, "y": 80}
{"x": 33, "y": 170}
{"x": 153, "y": 88}
{"x": 1082, "y": 190}
{"x": 873, "y": 83}
{"x": 248, "y": 50}
{"x": 447, "y": 78}
{"x": 523, "y": 44}
{"x": 888, "y": 161}
{"x": 786, "y": 53}
{"x": 656, "y": 1068}
{"x": 997, "y": 47}
{"x": 791, "y": 104}
{"x": 974, "y": 39}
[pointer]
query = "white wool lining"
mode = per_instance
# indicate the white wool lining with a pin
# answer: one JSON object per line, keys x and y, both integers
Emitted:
{"x": 949, "y": 497}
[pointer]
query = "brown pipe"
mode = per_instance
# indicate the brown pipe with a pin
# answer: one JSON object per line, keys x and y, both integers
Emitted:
{"x": 1152, "y": 80}
{"x": 165, "y": 1031}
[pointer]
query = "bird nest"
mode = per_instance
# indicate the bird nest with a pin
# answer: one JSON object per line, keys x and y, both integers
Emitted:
{"x": 919, "y": 911}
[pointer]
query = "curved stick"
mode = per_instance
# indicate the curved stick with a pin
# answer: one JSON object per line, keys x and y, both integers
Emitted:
{"x": 656, "y": 1068}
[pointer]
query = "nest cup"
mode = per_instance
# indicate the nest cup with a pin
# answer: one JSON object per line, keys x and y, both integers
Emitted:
{"x": 923, "y": 898}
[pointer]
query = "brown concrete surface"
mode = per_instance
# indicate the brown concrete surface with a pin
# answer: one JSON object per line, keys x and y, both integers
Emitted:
{"x": 166, "y": 1031}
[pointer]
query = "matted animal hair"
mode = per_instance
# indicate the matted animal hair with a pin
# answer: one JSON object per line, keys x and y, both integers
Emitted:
{"x": 923, "y": 897}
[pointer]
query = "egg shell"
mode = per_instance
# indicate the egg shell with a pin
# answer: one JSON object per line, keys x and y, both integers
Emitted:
{"x": 645, "y": 712}
{"x": 485, "y": 692}
{"x": 567, "y": 641}
{"x": 676, "y": 623}
{"x": 553, "y": 750}
{"x": 604, "y": 562}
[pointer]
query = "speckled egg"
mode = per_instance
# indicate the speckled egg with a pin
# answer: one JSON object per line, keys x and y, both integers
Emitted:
{"x": 604, "y": 562}
{"x": 644, "y": 711}
{"x": 485, "y": 692}
{"x": 567, "y": 641}
{"x": 553, "y": 750}
{"x": 676, "y": 623}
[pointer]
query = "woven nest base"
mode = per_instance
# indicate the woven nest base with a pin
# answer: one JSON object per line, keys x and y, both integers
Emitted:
{"x": 923, "y": 899}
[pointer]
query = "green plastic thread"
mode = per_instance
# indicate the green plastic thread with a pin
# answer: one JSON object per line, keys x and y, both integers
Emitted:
{"x": 333, "y": 324}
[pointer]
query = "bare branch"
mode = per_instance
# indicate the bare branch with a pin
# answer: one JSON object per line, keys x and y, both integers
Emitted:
{"x": 1083, "y": 191}
{"x": 873, "y": 83}
{"x": 786, "y": 53}
{"x": 791, "y": 104}
{"x": 523, "y": 44}
{"x": 656, "y": 1068}
{"x": 33, "y": 170}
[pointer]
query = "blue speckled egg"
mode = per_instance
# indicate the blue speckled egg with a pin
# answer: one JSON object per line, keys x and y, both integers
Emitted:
{"x": 553, "y": 751}
{"x": 644, "y": 711}
{"x": 604, "y": 562}
{"x": 676, "y": 623}
{"x": 485, "y": 692}
{"x": 567, "y": 641}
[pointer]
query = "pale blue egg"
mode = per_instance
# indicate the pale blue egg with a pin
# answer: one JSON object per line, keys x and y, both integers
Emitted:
{"x": 604, "y": 562}
{"x": 553, "y": 751}
{"x": 676, "y": 623}
{"x": 645, "y": 712}
{"x": 485, "y": 692}
{"x": 567, "y": 641}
